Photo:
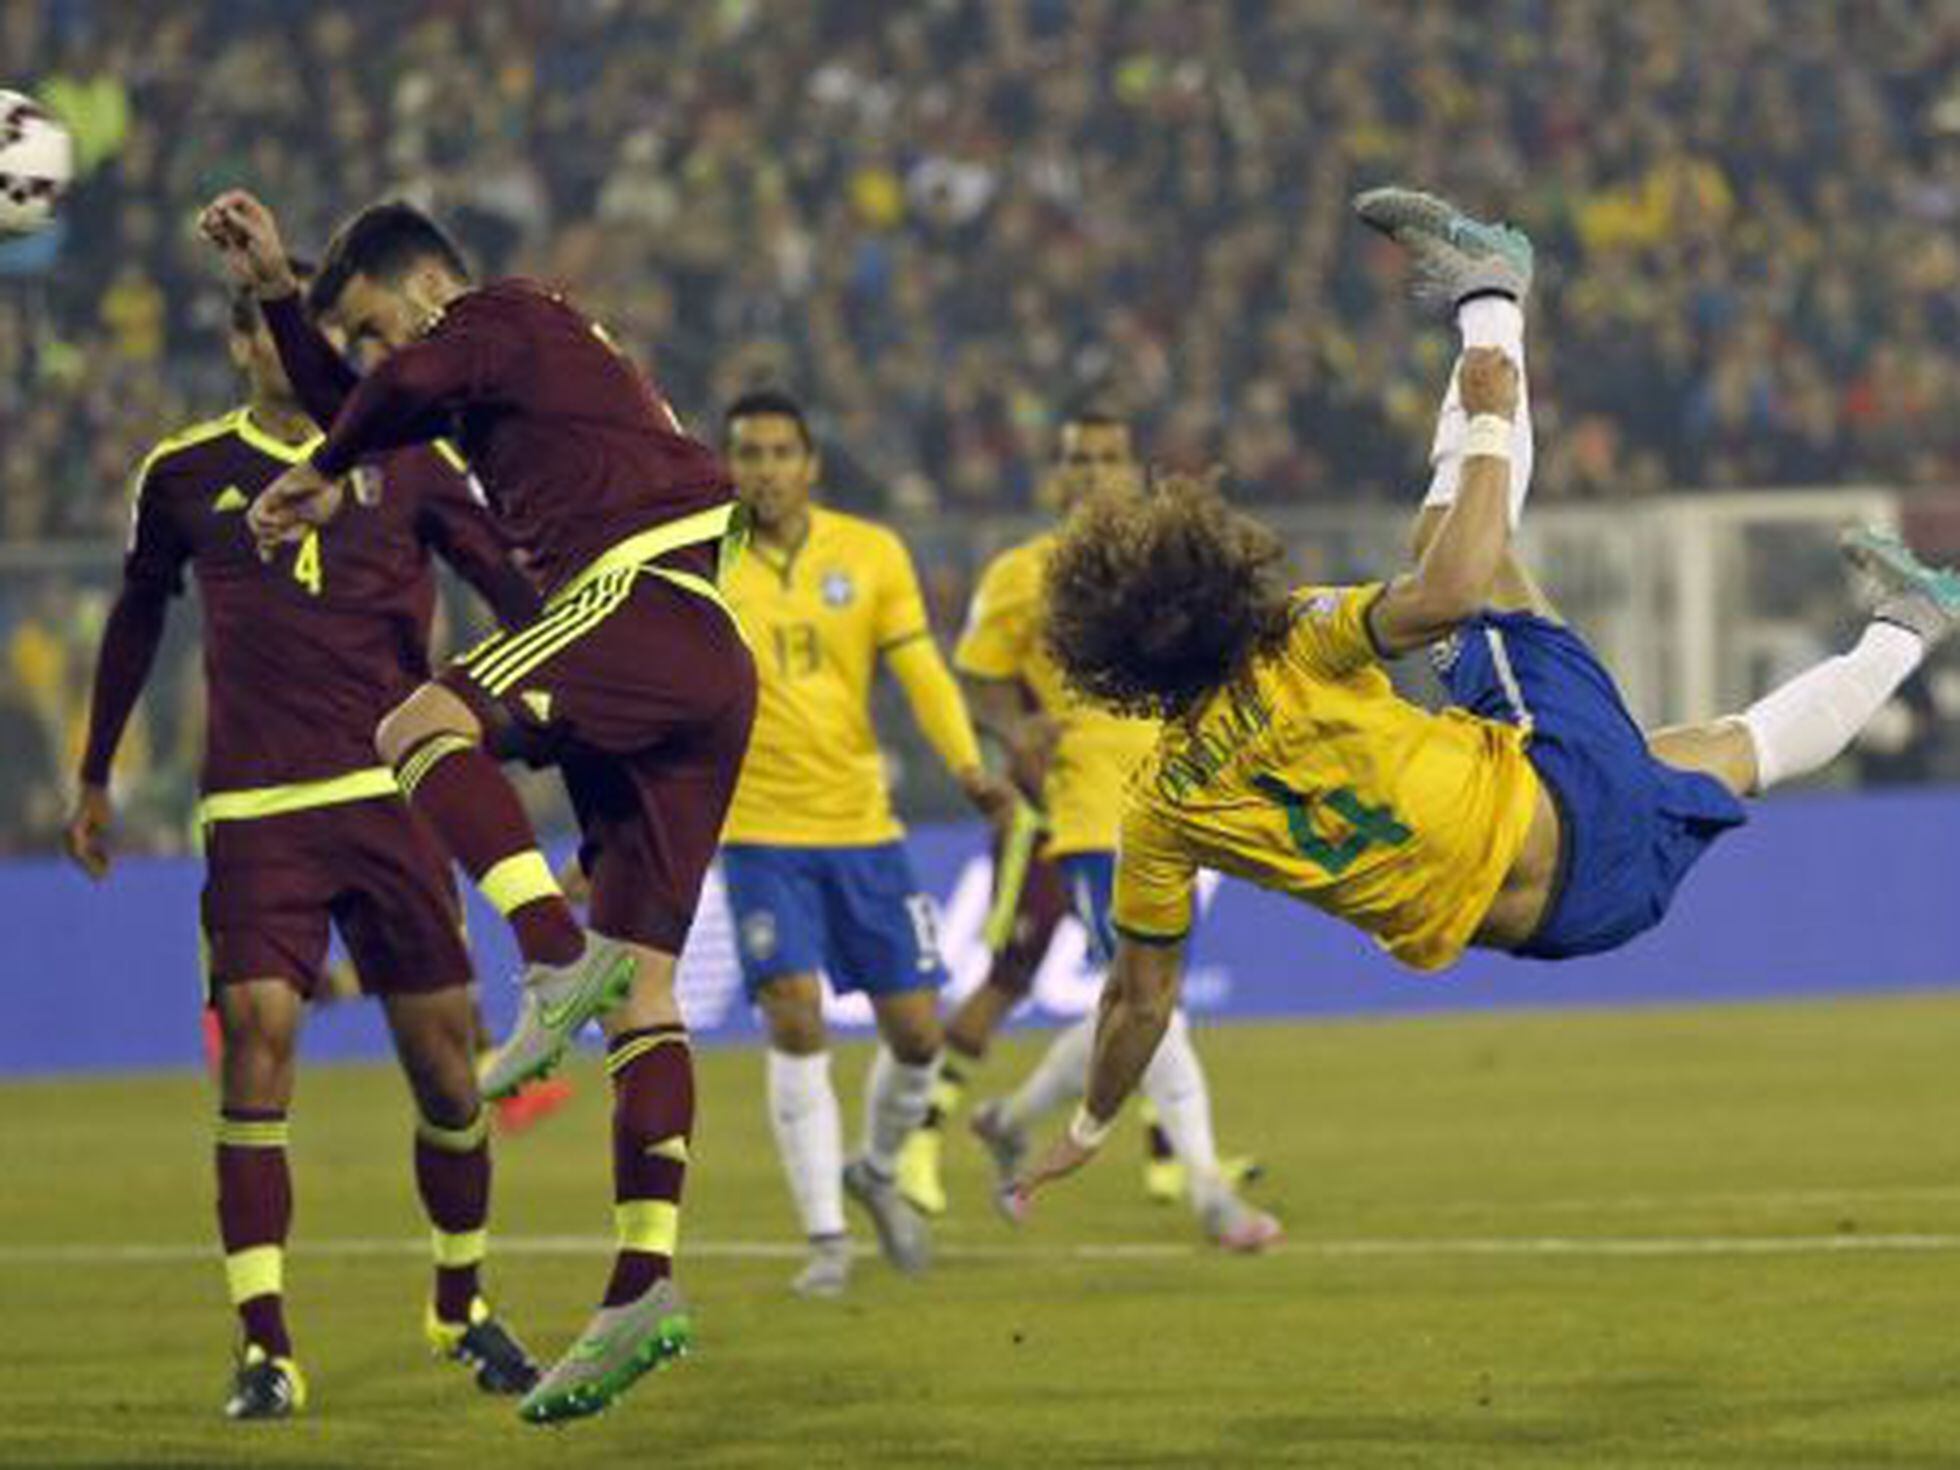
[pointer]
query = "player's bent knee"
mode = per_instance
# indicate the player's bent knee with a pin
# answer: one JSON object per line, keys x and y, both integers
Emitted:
{"x": 792, "y": 1013}
{"x": 910, "y": 1028}
{"x": 430, "y": 710}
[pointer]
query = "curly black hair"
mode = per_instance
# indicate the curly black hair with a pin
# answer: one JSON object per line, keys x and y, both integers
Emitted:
{"x": 1156, "y": 600}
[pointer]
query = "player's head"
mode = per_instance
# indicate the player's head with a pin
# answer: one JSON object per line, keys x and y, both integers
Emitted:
{"x": 388, "y": 273}
{"x": 251, "y": 347}
{"x": 772, "y": 455}
{"x": 1095, "y": 454}
{"x": 1156, "y": 600}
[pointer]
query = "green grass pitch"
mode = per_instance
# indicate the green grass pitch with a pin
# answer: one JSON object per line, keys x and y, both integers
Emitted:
{"x": 1712, "y": 1237}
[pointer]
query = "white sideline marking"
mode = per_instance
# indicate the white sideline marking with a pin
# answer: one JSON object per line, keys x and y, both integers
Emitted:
{"x": 1411, "y": 1247}
{"x": 1769, "y": 1199}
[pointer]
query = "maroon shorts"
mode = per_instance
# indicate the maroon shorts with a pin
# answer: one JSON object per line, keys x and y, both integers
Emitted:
{"x": 642, "y": 694}
{"x": 371, "y": 869}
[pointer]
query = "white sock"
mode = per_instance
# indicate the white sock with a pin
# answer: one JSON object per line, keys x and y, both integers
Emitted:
{"x": 1057, "y": 1079}
{"x": 1488, "y": 321}
{"x": 896, "y": 1097}
{"x": 1806, "y": 724}
{"x": 1175, "y": 1083}
{"x": 809, "y": 1138}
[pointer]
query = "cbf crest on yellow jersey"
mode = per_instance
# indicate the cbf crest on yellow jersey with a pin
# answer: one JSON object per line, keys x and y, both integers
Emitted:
{"x": 819, "y": 619}
{"x": 1314, "y": 777}
{"x": 1096, "y": 750}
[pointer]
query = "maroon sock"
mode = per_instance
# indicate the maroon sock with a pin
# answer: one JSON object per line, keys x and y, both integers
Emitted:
{"x": 255, "y": 1210}
{"x": 455, "y": 786}
{"x": 653, "y": 1115}
{"x": 452, "y": 1172}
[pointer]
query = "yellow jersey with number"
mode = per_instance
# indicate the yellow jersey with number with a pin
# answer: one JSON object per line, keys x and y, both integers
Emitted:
{"x": 819, "y": 619}
{"x": 1082, "y": 794}
{"x": 1315, "y": 778}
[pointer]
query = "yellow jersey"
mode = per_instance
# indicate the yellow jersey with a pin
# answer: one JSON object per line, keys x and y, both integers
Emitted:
{"x": 1313, "y": 777}
{"x": 1095, "y": 751}
{"x": 819, "y": 619}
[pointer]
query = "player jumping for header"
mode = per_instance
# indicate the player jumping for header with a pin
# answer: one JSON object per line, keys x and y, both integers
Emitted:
{"x": 634, "y": 680}
{"x": 1531, "y": 816}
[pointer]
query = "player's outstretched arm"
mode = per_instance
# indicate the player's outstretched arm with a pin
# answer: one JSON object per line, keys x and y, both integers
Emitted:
{"x": 1137, "y": 1001}
{"x": 414, "y": 394}
{"x": 246, "y": 236}
{"x": 130, "y": 640}
{"x": 1453, "y": 581}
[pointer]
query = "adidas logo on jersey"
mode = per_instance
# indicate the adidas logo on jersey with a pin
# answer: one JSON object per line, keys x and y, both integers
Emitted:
{"x": 230, "y": 498}
{"x": 538, "y": 703}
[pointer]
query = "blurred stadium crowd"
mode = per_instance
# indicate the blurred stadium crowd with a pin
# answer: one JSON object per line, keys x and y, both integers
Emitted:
{"x": 944, "y": 221}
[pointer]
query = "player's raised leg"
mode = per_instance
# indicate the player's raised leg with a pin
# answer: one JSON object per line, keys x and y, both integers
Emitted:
{"x": 1805, "y": 724}
{"x": 261, "y": 1021}
{"x": 434, "y": 742}
{"x": 1481, "y": 275}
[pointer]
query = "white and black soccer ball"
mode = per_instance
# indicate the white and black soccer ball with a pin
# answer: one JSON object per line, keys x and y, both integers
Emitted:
{"x": 37, "y": 159}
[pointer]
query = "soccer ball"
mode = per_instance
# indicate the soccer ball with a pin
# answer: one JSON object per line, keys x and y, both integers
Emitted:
{"x": 37, "y": 159}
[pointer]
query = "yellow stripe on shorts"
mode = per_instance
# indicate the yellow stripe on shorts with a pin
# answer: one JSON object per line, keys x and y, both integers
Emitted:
{"x": 497, "y": 669}
{"x": 502, "y": 645}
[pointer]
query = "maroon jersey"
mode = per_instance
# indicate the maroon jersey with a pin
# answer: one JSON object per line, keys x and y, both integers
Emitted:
{"x": 576, "y": 447}
{"x": 305, "y": 653}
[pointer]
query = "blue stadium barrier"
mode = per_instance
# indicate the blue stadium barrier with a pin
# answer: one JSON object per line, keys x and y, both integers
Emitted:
{"x": 1819, "y": 895}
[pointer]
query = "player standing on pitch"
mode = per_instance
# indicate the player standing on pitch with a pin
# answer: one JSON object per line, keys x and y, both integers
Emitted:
{"x": 1533, "y": 816}
{"x": 303, "y": 830}
{"x": 817, "y": 873}
{"x": 635, "y": 680}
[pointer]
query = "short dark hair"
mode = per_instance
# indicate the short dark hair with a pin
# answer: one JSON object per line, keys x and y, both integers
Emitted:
{"x": 245, "y": 304}
{"x": 383, "y": 242}
{"x": 1156, "y": 600}
{"x": 767, "y": 403}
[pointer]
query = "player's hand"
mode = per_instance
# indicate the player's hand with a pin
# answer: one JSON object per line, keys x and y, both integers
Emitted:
{"x": 298, "y": 501}
{"x": 246, "y": 235}
{"x": 1063, "y": 1158}
{"x": 87, "y": 833}
{"x": 1487, "y": 382}
{"x": 1031, "y": 746}
{"x": 993, "y": 797}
